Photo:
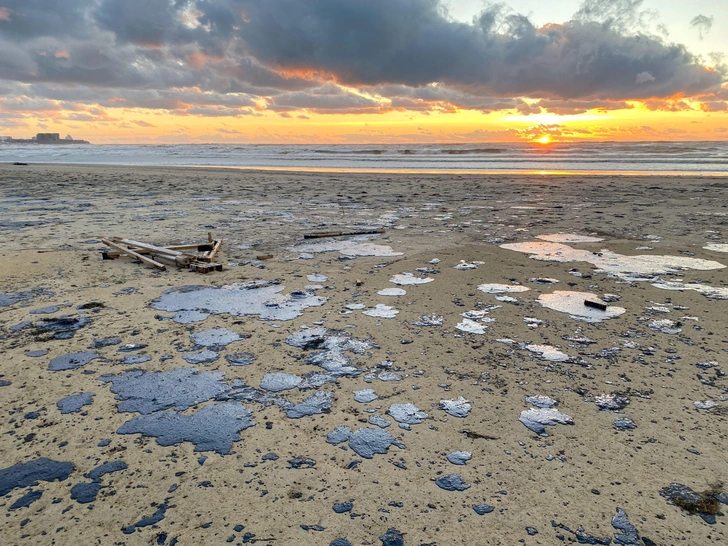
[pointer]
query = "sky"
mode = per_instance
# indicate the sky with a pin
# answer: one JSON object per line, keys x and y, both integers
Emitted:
{"x": 364, "y": 71}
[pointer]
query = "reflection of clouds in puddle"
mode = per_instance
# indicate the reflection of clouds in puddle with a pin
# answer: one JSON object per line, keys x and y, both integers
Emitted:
{"x": 666, "y": 326}
{"x": 547, "y": 352}
{"x": 711, "y": 292}
{"x": 381, "y": 311}
{"x": 356, "y": 246}
{"x": 471, "y": 327}
{"x": 392, "y": 292}
{"x": 716, "y": 247}
{"x": 409, "y": 279}
{"x": 568, "y": 238}
{"x": 612, "y": 263}
{"x": 573, "y": 304}
{"x": 537, "y": 419}
{"x": 502, "y": 288}
{"x": 254, "y": 298}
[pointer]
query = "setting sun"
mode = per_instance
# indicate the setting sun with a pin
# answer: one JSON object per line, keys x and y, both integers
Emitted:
{"x": 544, "y": 140}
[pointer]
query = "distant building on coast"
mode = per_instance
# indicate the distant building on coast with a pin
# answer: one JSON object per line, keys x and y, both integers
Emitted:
{"x": 42, "y": 138}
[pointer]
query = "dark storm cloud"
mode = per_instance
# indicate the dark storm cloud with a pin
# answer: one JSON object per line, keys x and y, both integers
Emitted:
{"x": 442, "y": 98}
{"x": 27, "y": 19}
{"x": 232, "y": 55}
{"x": 326, "y": 98}
{"x": 412, "y": 42}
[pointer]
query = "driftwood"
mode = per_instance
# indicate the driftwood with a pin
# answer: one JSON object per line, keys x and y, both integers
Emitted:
{"x": 133, "y": 254}
{"x": 197, "y": 257}
{"x": 341, "y": 233}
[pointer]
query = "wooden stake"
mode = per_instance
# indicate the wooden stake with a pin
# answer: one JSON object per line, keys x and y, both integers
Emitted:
{"x": 211, "y": 255}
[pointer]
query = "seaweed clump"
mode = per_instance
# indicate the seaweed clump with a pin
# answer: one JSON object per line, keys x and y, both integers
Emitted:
{"x": 706, "y": 503}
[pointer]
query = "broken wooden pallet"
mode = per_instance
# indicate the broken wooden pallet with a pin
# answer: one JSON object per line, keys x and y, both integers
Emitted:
{"x": 205, "y": 267}
{"x": 201, "y": 255}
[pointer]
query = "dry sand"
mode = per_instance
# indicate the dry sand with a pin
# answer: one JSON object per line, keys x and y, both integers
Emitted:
{"x": 51, "y": 220}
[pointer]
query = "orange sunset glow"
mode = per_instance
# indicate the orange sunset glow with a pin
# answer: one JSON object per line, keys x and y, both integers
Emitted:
{"x": 239, "y": 74}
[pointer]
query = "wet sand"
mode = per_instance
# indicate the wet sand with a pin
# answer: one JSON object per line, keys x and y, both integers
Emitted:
{"x": 579, "y": 475}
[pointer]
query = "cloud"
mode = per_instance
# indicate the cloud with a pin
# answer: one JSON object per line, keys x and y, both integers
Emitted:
{"x": 574, "y": 107}
{"x": 623, "y": 16}
{"x": 644, "y": 77}
{"x": 28, "y": 19}
{"x": 702, "y": 24}
{"x": 239, "y": 57}
{"x": 438, "y": 98}
{"x": 327, "y": 98}
{"x": 668, "y": 105}
{"x": 412, "y": 42}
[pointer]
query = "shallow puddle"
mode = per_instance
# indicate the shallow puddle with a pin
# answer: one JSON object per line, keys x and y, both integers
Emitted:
{"x": 574, "y": 304}
{"x": 256, "y": 298}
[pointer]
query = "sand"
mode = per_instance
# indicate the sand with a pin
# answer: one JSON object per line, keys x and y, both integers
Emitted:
{"x": 52, "y": 218}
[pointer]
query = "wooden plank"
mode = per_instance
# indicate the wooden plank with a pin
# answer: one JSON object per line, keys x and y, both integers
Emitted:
{"x": 178, "y": 261}
{"x": 215, "y": 248}
{"x": 111, "y": 254}
{"x": 152, "y": 248}
{"x": 202, "y": 267}
{"x": 341, "y": 233}
{"x": 139, "y": 257}
{"x": 201, "y": 247}
{"x": 209, "y": 256}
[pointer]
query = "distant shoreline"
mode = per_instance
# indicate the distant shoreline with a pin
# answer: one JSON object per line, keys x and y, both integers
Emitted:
{"x": 384, "y": 170}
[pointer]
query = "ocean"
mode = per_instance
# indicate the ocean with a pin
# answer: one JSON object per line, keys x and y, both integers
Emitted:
{"x": 640, "y": 158}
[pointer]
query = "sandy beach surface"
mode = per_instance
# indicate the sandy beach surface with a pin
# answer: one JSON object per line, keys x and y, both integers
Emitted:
{"x": 217, "y": 405}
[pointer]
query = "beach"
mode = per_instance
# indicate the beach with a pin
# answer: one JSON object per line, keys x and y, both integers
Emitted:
{"x": 234, "y": 444}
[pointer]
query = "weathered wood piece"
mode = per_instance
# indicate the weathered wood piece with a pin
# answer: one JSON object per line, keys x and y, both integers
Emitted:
{"x": 209, "y": 256}
{"x": 203, "y": 267}
{"x": 146, "y": 246}
{"x": 129, "y": 252}
{"x": 341, "y": 233}
{"x": 158, "y": 256}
